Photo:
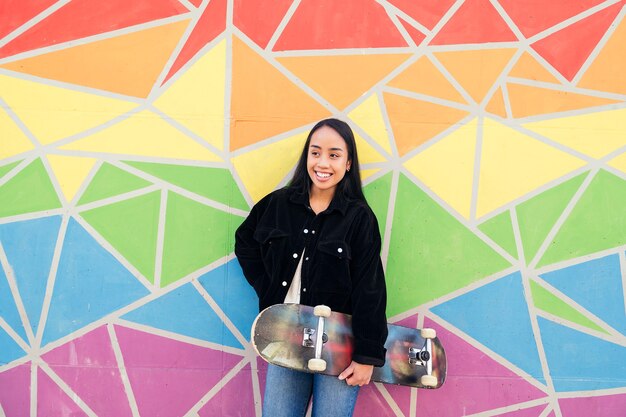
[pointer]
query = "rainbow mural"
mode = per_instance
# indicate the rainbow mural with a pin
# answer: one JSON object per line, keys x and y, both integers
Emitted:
{"x": 136, "y": 135}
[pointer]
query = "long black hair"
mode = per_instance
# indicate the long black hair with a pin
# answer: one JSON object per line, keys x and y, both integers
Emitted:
{"x": 350, "y": 185}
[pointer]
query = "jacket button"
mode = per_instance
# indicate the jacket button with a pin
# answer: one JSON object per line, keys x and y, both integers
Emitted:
{"x": 339, "y": 250}
{"x": 313, "y": 231}
{"x": 295, "y": 255}
{"x": 284, "y": 283}
{"x": 306, "y": 231}
{"x": 303, "y": 289}
{"x": 306, "y": 259}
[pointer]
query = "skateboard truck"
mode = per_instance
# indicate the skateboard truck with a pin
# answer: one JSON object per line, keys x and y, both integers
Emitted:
{"x": 307, "y": 338}
{"x": 317, "y": 364}
{"x": 418, "y": 356}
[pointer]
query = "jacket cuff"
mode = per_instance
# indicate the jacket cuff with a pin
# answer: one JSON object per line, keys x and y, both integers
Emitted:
{"x": 369, "y": 353}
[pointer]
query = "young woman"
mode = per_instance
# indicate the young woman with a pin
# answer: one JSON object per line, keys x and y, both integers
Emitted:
{"x": 313, "y": 242}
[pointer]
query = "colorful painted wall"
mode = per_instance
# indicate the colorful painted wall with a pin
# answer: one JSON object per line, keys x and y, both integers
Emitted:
{"x": 136, "y": 135}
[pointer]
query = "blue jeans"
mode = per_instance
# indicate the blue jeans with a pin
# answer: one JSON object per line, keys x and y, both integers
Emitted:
{"x": 287, "y": 394}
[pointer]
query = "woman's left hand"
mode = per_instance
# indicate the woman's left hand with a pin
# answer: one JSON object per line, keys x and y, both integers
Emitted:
{"x": 357, "y": 374}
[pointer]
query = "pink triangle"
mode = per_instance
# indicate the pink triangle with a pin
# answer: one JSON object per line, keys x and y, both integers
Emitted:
{"x": 600, "y": 406}
{"x": 211, "y": 23}
{"x": 527, "y": 412}
{"x": 89, "y": 362}
{"x": 402, "y": 396}
{"x": 534, "y": 16}
{"x": 426, "y": 12}
{"x": 52, "y": 401}
{"x": 259, "y": 18}
{"x": 474, "y": 382}
{"x": 95, "y": 17}
{"x": 370, "y": 402}
{"x": 369, "y": 26}
{"x": 15, "y": 391}
{"x": 568, "y": 49}
{"x": 234, "y": 399}
{"x": 476, "y": 21}
{"x": 262, "y": 373}
{"x": 167, "y": 376}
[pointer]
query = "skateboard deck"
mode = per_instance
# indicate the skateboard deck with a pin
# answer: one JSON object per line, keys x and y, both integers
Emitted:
{"x": 301, "y": 338}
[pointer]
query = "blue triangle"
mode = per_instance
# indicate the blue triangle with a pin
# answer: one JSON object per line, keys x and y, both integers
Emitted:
{"x": 184, "y": 311}
{"x": 29, "y": 246}
{"x": 595, "y": 285}
{"x": 230, "y": 290}
{"x": 9, "y": 350}
{"x": 8, "y": 309}
{"x": 90, "y": 284}
{"x": 497, "y": 316}
{"x": 580, "y": 362}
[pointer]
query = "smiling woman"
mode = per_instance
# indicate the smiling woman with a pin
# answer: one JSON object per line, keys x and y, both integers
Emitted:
{"x": 313, "y": 242}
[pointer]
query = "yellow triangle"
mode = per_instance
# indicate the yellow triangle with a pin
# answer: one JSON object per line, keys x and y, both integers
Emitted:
{"x": 368, "y": 115}
{"x": 341, "y": 79}
{"x": 196, "y": 99}
{"x": 144, "y": 134}
{"x": 513, "y": 164}
{"x": 594, "y": 134}
{"x": 447, "y": 167}
{"x": 366, "y": 173}
{"x": 262, "y": 170}
{"x": 12, "y": 140}
{"x": 476, "y": 70}
{"x": 70, "y": 172}
{"x": 619, "y": 162}
{"x": 367, "y": 153}
{"x": 54, "y": 113}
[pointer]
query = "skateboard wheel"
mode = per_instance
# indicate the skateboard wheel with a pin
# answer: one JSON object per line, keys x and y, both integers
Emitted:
{"x": 321, "y": 311}
{"x": 317, "y": 365}
{"x": 428, "y": 381}
{"x": 428, "y": 333}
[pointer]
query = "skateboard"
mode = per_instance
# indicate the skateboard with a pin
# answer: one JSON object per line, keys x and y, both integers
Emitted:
{"x": 316, "y": 339}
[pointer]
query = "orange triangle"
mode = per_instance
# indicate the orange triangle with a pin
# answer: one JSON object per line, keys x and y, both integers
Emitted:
{"x": 424, "y": 78}
{"x": 496, "y": 104}
{"x": 264, "y": 102}
{"x": 476, "y": 70}
{"x": 341, "y": 79}
{"x": 127, "y": 64}
{"x": 530, "y": 101}
{"x": 527, "y": 67}
{"x": 414, "y": 122}
{"x": 608, "y": 69}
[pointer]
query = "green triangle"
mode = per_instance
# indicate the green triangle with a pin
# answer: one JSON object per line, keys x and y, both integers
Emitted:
{"x": 537, "y": 215}
{"x": 110, "y": 181}
{"x": 552, "y": 304}
{"x": 377, "y": 195}
{"x": 131, "y": 227}
{"x": 431, "y": 253}
{"x": 500, "y": 229}
{"x": 6, "y": 168}
{"x": 29, "y": 191}
{"x": 195, "y": 236}
{"x": 214, "y": 183}
{"x": 596, "y": 223}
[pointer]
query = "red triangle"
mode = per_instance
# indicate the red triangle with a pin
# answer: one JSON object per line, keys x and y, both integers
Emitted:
{"x": 426, "y": 12}
{"x": 534, "y": 16}
{"x": 339, "y": 24}
{"x": 476, "y": 21}
{"x": 211, "y": 23}
{"x": 568, "y": 49}
{"x": 82, "y": 18}
{"x": 17, "y": 12}
{"x": 258, "y": 19}
{"x": 415, "y": 34}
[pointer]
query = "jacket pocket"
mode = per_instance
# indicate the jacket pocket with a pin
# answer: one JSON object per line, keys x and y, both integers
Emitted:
{"x": 335, "y": 248}
{"x": 265, "y": 235}
{"x": 333, "y": 267}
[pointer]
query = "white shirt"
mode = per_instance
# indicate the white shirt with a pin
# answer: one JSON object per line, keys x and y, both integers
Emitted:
{"x": 293, "y": 295}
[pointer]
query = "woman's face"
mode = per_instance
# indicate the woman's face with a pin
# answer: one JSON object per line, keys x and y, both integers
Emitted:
{"x": 327, "y": 160}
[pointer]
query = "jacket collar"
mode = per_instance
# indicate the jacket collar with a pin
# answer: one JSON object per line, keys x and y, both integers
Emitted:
{"x": 339, "y": 202}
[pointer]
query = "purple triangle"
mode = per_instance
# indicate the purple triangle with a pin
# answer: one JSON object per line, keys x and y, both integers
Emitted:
{"x": 236, "y": 398}
{"x": 168, "y": 376}
{"x": 15, "y": 391}
{"x": 475, "y": 382}
{"x": 52, "y": 401}
{"x": 89, "y": 362}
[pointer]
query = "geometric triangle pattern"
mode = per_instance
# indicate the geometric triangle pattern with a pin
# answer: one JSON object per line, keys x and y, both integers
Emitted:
{"x": 136, "y": 138}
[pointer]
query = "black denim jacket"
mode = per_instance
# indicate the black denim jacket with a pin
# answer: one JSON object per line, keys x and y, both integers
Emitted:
{"x": 341, "y": 267}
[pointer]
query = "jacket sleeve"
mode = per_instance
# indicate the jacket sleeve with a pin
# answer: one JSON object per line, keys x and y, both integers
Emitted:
{"x": 248, "y": 250}
{"x": 369, "y": 294}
